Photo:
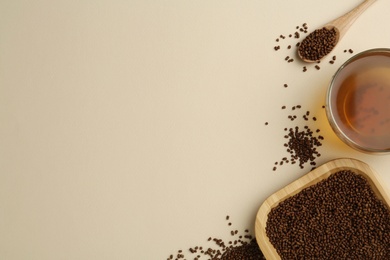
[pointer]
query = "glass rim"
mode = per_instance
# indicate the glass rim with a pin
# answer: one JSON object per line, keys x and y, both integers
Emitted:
{"x": 330, "y": 109}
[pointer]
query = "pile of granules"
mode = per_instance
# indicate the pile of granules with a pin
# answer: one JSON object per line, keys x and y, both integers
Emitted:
{"x": 303, "y": 45}
{"x": 249, "y": 251}
{"x": 302, "y": 146}
{"x": 302, "y": 142}
{"x": 338, "y": 218}
{"x": 243, "y": 246}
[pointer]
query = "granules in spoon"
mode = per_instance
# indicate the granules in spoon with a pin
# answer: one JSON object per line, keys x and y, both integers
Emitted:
{"x": 318, "y": 44}
{"x": 305, "y": 44}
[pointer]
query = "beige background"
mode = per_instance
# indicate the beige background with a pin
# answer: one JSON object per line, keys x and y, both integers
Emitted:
{"x": 130, "y": 129}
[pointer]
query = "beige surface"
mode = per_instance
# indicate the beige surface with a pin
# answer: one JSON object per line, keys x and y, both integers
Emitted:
{"x": 309, "y": 179}
{"x": 130, "y": 129}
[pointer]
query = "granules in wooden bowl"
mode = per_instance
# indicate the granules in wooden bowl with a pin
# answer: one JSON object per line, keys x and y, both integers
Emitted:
{"x": 340, "y": 210}
{"x": 337, "y": 218}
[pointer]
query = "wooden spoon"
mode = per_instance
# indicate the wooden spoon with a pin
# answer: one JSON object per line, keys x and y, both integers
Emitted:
{"x": 340, "y": 26}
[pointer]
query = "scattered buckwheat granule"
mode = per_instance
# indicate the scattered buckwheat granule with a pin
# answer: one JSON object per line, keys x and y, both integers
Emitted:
{"x": 242, "y": 246}
{"x": 332, "y": 60}
{"x": 338, "y": 218}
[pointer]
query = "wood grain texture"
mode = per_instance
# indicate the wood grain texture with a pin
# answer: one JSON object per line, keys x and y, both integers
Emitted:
{"x": 345, "y": 21}
{"x": 313, "y": 177}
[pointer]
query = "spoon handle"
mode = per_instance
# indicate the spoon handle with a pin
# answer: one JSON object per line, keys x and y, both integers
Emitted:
{"x": 345, "y": 21}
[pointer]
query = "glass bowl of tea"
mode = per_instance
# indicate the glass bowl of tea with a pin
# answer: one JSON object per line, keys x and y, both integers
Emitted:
{"x": 358, "y": 101}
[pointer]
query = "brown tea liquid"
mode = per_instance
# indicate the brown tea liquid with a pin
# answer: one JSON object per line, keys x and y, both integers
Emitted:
{"x": 362, "y": 98}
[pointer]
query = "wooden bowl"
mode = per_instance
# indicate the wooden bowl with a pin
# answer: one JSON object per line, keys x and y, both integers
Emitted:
{"x": 313, "y": 177}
